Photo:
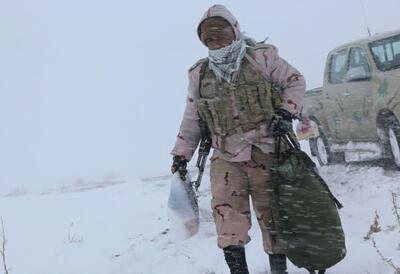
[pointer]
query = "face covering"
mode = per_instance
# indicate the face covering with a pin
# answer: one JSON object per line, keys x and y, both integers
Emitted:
{"x": 225, "y": 61}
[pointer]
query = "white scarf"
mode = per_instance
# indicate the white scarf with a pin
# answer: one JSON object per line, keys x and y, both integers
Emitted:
{"x": 225, "y": 61}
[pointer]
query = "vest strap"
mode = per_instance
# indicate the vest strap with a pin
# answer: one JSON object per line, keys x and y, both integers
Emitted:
{"x": 256, "y": 65}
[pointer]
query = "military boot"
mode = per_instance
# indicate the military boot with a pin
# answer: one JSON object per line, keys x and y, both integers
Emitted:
{"x": 236, "y": 259}
{"x": 277, "y": 262}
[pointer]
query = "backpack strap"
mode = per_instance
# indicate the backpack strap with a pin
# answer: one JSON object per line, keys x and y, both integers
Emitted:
{"x": 203, "y": 63}
{"x": 203, "y": 66}
{"x": 199, "y": 63}
{"x": 254, "y": 63}
{"x": 250, "y": 57}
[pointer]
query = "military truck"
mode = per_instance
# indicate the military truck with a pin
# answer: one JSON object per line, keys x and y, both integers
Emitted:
{"x": 357, "y": 109}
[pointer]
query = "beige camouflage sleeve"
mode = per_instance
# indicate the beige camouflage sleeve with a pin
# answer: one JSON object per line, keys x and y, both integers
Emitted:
{"x": 189, "y": 134}
{"x": 287, "y": 78}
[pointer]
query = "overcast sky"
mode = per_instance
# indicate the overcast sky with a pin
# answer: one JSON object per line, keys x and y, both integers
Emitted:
{"x": 93, "y": 87}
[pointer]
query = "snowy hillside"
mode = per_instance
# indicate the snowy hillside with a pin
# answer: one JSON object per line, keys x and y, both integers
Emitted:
{"x": 122, "y": 227}
{"x": 91, "y": 98}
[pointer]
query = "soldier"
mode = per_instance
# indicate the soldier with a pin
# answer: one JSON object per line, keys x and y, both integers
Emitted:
{"x": 237, "y": 91}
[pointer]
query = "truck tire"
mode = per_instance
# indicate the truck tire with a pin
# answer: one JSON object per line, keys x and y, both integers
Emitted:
{"x": 313, "y": 147}
{"x": 393, "y": 133}
{"x": 321, "y": 149}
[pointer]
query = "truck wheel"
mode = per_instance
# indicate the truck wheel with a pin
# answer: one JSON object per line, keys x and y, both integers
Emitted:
{"x": 313, "y": 146}
{"x": 393, "y": 131}
{"x": 322, "y": 151}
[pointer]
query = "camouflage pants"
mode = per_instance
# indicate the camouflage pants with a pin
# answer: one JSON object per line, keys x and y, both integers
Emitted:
{"x": 231, "y": 184}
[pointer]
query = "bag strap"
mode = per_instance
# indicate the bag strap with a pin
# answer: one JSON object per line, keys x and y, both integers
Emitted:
{"x": 323, "y": 183}
{"x": 256, "y": 65}
{"x": 291, "y": 142}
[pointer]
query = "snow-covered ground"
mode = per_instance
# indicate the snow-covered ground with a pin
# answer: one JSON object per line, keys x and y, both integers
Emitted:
{"x": 122, "y": 227}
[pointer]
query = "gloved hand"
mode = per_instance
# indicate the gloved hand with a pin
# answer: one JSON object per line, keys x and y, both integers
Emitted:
{"x": 179, "y": 164}
{"x": 281, "y": 122}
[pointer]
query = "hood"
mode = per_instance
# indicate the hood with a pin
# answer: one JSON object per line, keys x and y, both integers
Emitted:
{"x": 220, "y": 11}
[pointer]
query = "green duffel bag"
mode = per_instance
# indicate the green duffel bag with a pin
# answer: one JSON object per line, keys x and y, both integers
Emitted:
{"x": 305, "y": 212}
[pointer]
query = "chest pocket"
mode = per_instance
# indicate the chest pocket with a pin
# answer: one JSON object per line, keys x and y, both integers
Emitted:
{"x": 230, "y": 108}
{"x": 208, "y": 87}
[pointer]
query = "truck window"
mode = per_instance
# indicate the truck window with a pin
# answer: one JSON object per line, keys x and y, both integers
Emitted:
{"x": 358, "y": 58}
{"x": 337, "y": 67}
{"x": 386, "y": 53}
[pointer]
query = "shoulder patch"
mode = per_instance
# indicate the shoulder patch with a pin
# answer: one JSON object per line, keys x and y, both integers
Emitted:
{"x": 198, "y": 63}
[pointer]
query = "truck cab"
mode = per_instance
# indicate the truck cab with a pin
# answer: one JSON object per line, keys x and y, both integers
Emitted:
{"x": 358, "y": 107}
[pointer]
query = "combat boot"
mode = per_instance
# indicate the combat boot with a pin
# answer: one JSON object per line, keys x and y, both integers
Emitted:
{"x": 236, "y": 259}
{"x": 277, "y": 262}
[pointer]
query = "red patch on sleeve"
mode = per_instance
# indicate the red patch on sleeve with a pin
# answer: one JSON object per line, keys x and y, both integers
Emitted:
{"x": 294, "y": 77}
{"x": 190, "y": 100}
{"x": 180, "y": 136}
{"x": 290, "y": 102}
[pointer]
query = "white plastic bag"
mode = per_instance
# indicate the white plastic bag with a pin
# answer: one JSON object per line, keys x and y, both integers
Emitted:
{"x": 307, "y": 129}
{"x": 183, "y": 207}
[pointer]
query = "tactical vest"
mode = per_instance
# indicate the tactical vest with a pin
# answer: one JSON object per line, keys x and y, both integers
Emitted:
{"x": 236, "y": 107}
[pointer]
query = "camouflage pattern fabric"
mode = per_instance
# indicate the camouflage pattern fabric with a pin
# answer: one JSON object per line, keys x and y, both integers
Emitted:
{"x": 305, "y": 212}
{"x": 231, "y": 185}
{"x": 237, "y": 107}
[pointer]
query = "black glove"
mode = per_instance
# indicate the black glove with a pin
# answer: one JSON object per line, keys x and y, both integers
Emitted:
{"x": 281, "y": 122}
{"x": 179, "y": 164}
